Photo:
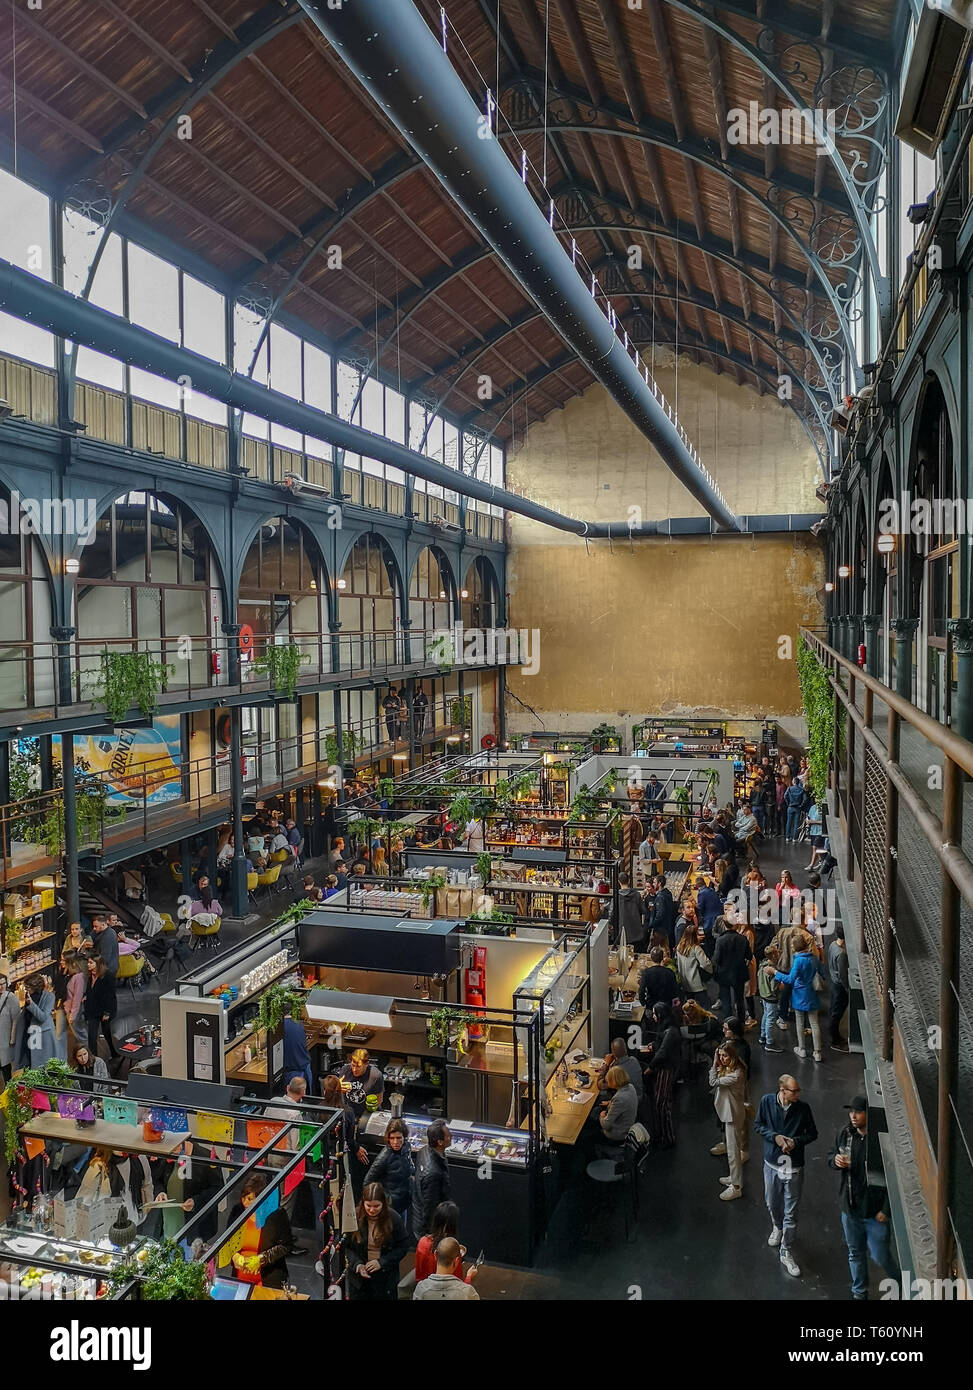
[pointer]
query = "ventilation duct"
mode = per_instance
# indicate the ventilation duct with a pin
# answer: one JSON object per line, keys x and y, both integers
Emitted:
{"x": 400, "y": 63}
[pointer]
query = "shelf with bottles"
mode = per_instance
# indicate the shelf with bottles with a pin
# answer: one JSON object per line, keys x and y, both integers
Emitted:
{"x": 30, "y": 968}
{"x": 556, "y": 986}
{"x": 27, "y": 941}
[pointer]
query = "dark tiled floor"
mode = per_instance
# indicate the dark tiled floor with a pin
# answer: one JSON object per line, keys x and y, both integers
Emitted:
{"x": 686, "y": 1243}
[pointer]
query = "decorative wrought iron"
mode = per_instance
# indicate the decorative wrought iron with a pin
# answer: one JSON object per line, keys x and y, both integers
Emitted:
{"x": 88, "y": 206}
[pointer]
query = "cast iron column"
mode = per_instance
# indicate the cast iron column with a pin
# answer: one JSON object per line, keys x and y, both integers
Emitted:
{"x": 961, "y": 631}
{"x": 872, "y": 655}
{"x": 62, "y": 637}
{"x": 905, "y": 631}
{"x": 239, "y": 899}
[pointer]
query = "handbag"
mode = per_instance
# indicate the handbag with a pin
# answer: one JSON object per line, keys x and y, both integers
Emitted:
{"x": 817, "y": 984}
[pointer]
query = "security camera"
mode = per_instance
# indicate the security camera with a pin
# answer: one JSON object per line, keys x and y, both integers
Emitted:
{"x": 920, "y": 212}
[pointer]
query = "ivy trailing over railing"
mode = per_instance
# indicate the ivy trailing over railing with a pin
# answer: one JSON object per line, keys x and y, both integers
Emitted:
{"x": 824, "y": 739}
{"x": 130, "y": 679}
{"x": 281, "y": 664}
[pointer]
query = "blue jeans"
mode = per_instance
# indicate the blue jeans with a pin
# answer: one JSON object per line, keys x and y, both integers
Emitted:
{"x": 865, "y": 1236}
{"x": 793, "y": 823}
{"x": 759, "y": 817}
{"x": 782, "y": 1193}
{"x": 768, "y": 1018}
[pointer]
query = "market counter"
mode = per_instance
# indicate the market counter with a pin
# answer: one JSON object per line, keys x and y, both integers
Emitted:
{"x": 101, "y": 1135}
{"x": 565, "y": 1123}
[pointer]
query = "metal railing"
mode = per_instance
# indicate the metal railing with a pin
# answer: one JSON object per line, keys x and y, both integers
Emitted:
{"x": 901, "y": 785}
{"x": 198, "y": 667}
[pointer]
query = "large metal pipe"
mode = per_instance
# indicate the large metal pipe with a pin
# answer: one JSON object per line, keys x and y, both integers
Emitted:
{"x": 398, "y": 60}
{"x": 27, "y": 297}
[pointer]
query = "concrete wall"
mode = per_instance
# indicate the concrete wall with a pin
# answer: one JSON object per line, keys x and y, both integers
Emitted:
{"x": 684, "y": 626}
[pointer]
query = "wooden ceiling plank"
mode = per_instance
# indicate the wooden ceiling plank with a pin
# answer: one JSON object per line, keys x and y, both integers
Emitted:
{"x": 660, "y": 35}
{"x": 26, "y": 98}
{"x": 193, "y": 210}
{"x": 623, "y": 58}
{"x": 582, "y": 51}
{"x": 27, "y": 21}
{"x": 296, "y": 105}
{"x": 159, "y": 49}
{"x": 271, "y": 153}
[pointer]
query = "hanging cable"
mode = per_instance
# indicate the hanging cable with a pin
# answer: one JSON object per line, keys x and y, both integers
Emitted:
{"x": 547, "y": 59}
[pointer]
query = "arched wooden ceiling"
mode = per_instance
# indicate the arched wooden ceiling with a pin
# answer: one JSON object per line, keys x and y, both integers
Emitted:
{"x": 287, "y": 157}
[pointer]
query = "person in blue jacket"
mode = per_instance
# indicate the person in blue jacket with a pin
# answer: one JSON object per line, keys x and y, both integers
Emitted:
{"x": 37, "y": 1037}
{"x": 297, "y": 1059}
{"x": 794, "y": 804}
{"x": 708, "y": 907}
{"x": 804, "y": 997}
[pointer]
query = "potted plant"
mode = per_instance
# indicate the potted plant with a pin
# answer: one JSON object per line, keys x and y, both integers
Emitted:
{"x": 428, "y": 887}
{"x": 351, "y": 743}
{"x": 484, "y": 866}
{"x": 386, "y": 787}
{"x": 163, "y": 1274}
{"x": 447, "y": 1026}
{"x": 440, "y": 652}
{"x": 17, "y": 1100}
{"x": 461, "y": 711}
{"x": 129, "y": 680}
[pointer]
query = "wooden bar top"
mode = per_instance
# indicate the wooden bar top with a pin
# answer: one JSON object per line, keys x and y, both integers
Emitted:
{"x": 101, "y": 1135}
{"x": 566, "y": 1122}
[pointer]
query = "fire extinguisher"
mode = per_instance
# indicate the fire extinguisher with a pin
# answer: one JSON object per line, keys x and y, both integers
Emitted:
{"x": 861, "y": 655}
{"x": 217, "y": 663}
{"x": 243, "y": 765}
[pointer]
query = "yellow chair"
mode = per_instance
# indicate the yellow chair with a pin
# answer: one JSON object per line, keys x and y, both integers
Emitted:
{"x": 268, "y": 879}
{"x": 280, "y": 856}
{"x": 252, "y": 881}
{"x": 176, "y": 871}
{"x": 130, "y": 968}
{"x": 168, "y": 925}
{"x": 206, "y": 938}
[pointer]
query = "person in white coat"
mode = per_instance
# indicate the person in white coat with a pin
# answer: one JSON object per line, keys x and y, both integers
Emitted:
{"x": 728, "y": 1077}
{"x": 9, "y": 1019}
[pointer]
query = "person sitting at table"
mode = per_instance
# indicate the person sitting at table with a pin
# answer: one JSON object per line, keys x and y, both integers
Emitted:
{"x": 310, "y": 891}
{"x": 330, "y": 886}
{"x": 205, "y": 907}
{"x": 619, "y": 1056}
{"x": 619, "y": 1114}
{"x": 341, "y": 874}
{"x": 262, "y": 1257}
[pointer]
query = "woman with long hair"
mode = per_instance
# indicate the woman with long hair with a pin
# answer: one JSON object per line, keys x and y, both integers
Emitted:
{"x": 728, "y": 1079}
{"x": 663, "y": 1066}
{"x": 100, "y": 1005}
{"x": 692, "y": 965}
{"x": 804, "y": 997}
{"x": 393, "y": 1168}
{"x": 445, "y": 1222}
{"x": 375, "y": 1251}
{"x": 76, "y": 979}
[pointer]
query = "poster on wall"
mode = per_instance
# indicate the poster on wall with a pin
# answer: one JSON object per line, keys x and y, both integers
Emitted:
{"x": 140, "y": 766}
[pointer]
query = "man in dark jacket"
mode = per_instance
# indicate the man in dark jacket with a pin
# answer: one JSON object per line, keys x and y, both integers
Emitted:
{"x": 838, "y": 977}
{"x": 731, "y": 960}
{"x": 664, "y": 916}
{"x": 657, "y": 983}
{"x": 105, "y": 944}
{"x": 864, "y": 1208}
{"x": 629, "y": 915}
{"x": 787, "y": 1126}
{"x": 432, "y": 1184}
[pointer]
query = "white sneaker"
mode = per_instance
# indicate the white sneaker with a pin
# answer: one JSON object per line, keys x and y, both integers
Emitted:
{"x": 726, "y": 1182}
{"x": 782, "y": 1025}
{"x": 817, "y": 1056}
{"x": 789, "y": 1263}
{"x": 731, "y": 1194}
{"x": 717, "y": 1150}
{"x": 800, "y": 1052}
{"x": 775, "y": 1236}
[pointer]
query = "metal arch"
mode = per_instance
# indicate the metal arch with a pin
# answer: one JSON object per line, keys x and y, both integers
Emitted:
{"x": 853, "y": 189}
{"x": 566, "y": 359}
{"x": 226, "y": 55}
{"x": 841, "y": 40}
{"x": 478, "y": 254}
{"x": 810, "y": 393}
{"x": 787, "y": 224}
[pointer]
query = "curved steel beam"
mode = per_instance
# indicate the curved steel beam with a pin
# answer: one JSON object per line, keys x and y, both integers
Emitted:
{"x": 681, "y": 236}
{"x": 708, "y": 18}
{"x": 845, "y": 43}
{"x": 839, "y": 308}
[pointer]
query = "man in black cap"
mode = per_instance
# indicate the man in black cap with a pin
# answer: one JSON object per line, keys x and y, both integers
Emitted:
{"x": 864, "y": 1207}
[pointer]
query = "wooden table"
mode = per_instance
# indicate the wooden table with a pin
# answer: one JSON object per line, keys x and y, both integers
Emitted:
{"x": 100, "y": 1135}
{"x": 566, "y": 1122}
{"x": 630, "y": 984}
{"x": 259, "y": 1294}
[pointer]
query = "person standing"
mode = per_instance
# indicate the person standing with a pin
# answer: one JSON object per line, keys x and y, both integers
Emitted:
{"x": 769, "y": 991}
{"x": 864, "y": 1207}
{"x": 728, "y": 1078}
{"x": 794, "y": 806}
{"x": 804, "y": 997}
{"x": 432, "y": 1181}
{"x": 100, "y": 1005}
{"x": 838, "y": 977}
{"x": 9, "y": 1018}
{"x": 420, "y": 706}
{"x": 297, "y": 1059}
{"x": 664, "y": 1059}
{"x": 786, "y": 1124}
{"x": 657, "y": 983}
{"x": 287, "y": 1108}
{"x": 731, "y": 965}
{"x": 628, "y": 916}
{"x": 393, "y": 1168}
{"x": 392, "y": 706}
{"x": 105, "y": 940}
{"x": 38, "y": 1039}
{"x": 664, "y": 917}
{"x": 444, "y": 1285}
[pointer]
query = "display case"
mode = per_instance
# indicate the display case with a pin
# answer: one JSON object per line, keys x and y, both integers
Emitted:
{"x": 508, "y": 1147}
{"x": 558, "y": 990}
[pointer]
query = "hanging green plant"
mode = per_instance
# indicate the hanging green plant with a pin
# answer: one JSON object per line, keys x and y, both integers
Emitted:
{"x": 447, "y": 1025}
{"x": 503, "y": 793}
{"x": 91, "y": 811}
{"x": 163, "y": 1275}
{"x": 484, "y": 866}
{"x": 386, "y": 787}
{"x": 584, "y": 805}
{"x": 351, "y": 743}
{"x": 129, "y": 680}
{"x": 295, "y": 913}
{"x": 281, "y": 663}
{"x": 16, "y": 1102}
{"x": 559, "y": 767}
{"x": 274, "y": 1003}
{"x": 461, "y": 810}
{"x": 461, "y": 711}
{"x": 824, "y": 739}
{"x": 13, "y": 934}
{"x": 441, "y": 652}
{"x": 681, "y": 797}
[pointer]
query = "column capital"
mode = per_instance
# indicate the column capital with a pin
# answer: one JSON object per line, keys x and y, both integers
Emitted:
{"x": 904, "y": 627}
{"x": 231, "y": 629}
{"x": 961, "y": 631}
{"x": 63, "y": 634}
{"x": 871, "y": 621}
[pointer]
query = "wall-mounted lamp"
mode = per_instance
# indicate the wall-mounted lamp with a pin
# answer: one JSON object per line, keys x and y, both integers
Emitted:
{"x": 844, "y": 571}
{"x": 400, "y": 757}
{"x": 829, "y": 587}
{"x": 464, "y": 593}
{"x": 886, "y": 543}
{"x": 72, "y": 566}
{"x": 341, "y": 584}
